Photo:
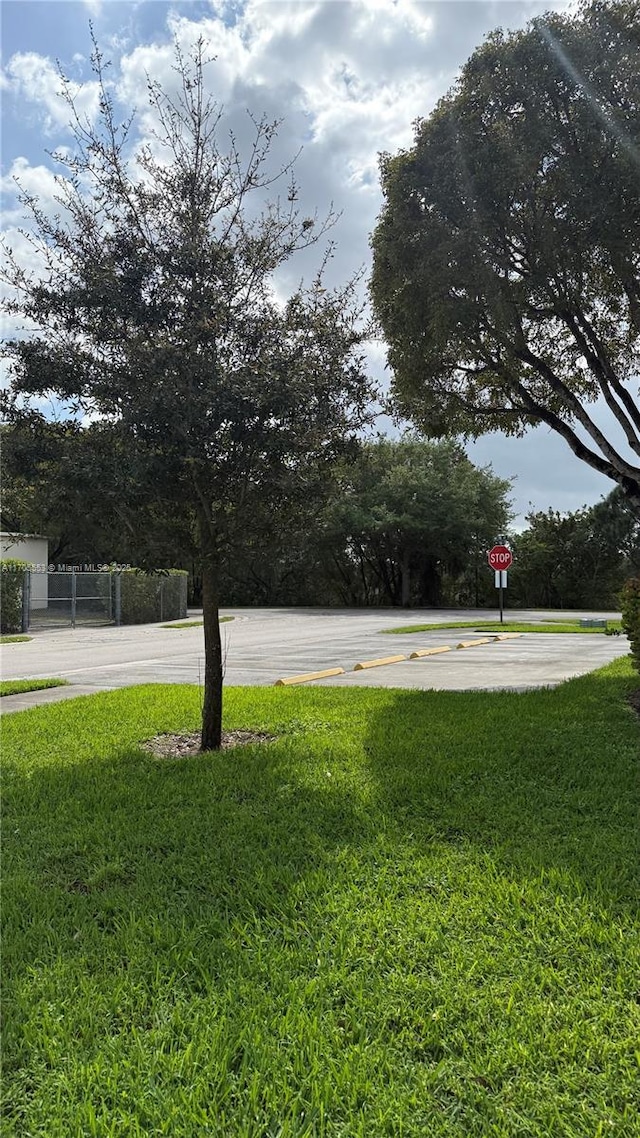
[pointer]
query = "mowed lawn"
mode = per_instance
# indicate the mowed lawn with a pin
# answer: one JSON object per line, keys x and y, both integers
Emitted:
{"x": 412, "y": 914}
{"x": 16, "y": 687}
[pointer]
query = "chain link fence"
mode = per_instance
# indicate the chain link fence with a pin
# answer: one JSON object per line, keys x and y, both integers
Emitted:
{"x": 34, "y": 600}
{"x": 63, "y": 600}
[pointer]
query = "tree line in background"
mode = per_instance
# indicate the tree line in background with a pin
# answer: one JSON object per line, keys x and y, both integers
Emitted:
{"x": 397, "y": 522}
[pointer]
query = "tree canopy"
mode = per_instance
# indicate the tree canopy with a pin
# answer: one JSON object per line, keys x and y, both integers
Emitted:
{"x": 577, "y": 560}
{"x": 507, "y": 255}
{"x": 84, "y": 488}
{"x": 155, "y": 309}
{"x": 409, "y": 515}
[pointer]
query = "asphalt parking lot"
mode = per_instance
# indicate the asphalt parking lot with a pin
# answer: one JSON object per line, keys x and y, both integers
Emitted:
{"x": 264, "y": 645}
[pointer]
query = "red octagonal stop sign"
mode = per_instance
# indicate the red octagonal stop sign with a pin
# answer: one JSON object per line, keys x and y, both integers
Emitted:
{"x": 500, "y": 557}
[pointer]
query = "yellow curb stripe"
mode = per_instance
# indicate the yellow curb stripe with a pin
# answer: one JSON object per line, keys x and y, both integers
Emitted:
{"x": 378, "y": 663}
{"x": 507, "y": 636}
{"x": 304, "y": 679}
{"x": 472, "y": 643}
{"x": 429, "y": 652}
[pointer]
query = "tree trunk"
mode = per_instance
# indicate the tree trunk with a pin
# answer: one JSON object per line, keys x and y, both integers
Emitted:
{"x": 405, "y": 569}
{"x": 213, "y": 663}
{"x": 431, "y": 592}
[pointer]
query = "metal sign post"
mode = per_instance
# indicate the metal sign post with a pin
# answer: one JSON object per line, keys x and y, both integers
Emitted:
{"x": 501, "y": 584}
{"x": 500, "y": 559}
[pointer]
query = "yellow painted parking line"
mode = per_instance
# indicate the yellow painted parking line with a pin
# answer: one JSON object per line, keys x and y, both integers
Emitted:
{"x": 472, "y": 643}
{"x": 429, "y": 652}
{"x": 304, "y": 679}
{"x": 378, "y": 663}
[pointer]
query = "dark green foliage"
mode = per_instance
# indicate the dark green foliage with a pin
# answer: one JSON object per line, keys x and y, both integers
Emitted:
{"x": 410, "y": 522}
{"x": 400, "y": 521}
{"x": 150, "y": 597}
{"x": 630, "y": 605}
{"x": 577, "y": 560}
{"x": 84, "y": 487}
{"x": 391, "y": 508}
{"x": 12, "y": 571}
{"x": 506, "y": 256}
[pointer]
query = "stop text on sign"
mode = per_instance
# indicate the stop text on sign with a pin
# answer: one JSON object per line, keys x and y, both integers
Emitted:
{"x": 500, "y": 557}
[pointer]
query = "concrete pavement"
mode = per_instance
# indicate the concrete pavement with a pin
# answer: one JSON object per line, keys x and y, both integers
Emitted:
{"x": 263, "y": 645}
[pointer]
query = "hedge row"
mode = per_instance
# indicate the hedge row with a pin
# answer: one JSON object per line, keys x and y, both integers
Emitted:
{"x": 11, "y": 583}
{"x": 146, "y": 598}
{"x": 630, "y": 605}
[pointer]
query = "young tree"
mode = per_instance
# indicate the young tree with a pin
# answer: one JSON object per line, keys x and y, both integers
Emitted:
{"x": 155, "y": 308}
{"x": 507, "y": 255}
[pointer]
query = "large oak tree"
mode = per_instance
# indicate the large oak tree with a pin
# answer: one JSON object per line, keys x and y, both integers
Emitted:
{"x": 408, "y": 515}
{"x": 507, "y": 255}
{"x": 155, "y": 309}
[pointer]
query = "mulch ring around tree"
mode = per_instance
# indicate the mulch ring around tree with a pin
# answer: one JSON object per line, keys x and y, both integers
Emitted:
{"x": 181, "y": 746}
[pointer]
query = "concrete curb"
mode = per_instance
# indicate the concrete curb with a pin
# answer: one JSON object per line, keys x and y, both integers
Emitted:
{"x": 307, "y": 676}
{"x": 378, "y": 663}
{"x": 429, "y": 652}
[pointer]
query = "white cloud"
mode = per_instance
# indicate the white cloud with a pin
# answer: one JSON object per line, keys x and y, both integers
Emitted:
{"x": 348, "y": 79}
{"x": 40, "y": 183}
{"x": 34, "y": 78}
{"x": 36, "y": 181}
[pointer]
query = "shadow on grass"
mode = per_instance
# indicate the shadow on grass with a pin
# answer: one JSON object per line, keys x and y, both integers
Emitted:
{"x": 232, "y": 903}
{"x": 545, "y": 781}
{"x": 112, "y": 850}
{"x": 542, "y": 781}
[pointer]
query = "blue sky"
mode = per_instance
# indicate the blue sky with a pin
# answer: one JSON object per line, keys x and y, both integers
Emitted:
{"x": 348, "y": 79}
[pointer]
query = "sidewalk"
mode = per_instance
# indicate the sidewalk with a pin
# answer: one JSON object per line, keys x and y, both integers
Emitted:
{"x": 27, "y": 699}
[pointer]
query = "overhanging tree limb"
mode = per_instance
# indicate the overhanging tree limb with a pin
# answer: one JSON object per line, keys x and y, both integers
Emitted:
{"x": 514, "y": 224}
{"x": 615, "y": 460}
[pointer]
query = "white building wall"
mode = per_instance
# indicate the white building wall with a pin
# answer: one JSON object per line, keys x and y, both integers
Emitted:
{"x": 35, "y": 550}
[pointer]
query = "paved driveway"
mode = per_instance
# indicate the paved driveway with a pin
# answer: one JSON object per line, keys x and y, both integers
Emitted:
{"x": 263, "y": 645}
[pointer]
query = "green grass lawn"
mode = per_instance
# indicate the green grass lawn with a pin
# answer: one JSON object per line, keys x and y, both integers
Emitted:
{"x": 16, "y": 687}
{"x": 412, "y": 914}
{"x": 194, "y": 623}
{"x": 506, "y": 626}
{"x": 14, "y": 639}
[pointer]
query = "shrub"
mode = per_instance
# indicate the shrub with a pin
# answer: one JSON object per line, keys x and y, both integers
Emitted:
{"x": 149, "y": 597}
{"x": 11, "y": 585}
{"x": 630, "y": 605}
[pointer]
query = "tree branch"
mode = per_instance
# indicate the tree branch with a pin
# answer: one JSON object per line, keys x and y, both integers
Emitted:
{"x": 579, "y": 448}
{"x": 596, "y": 356}
{"x": 525, "y": 355}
